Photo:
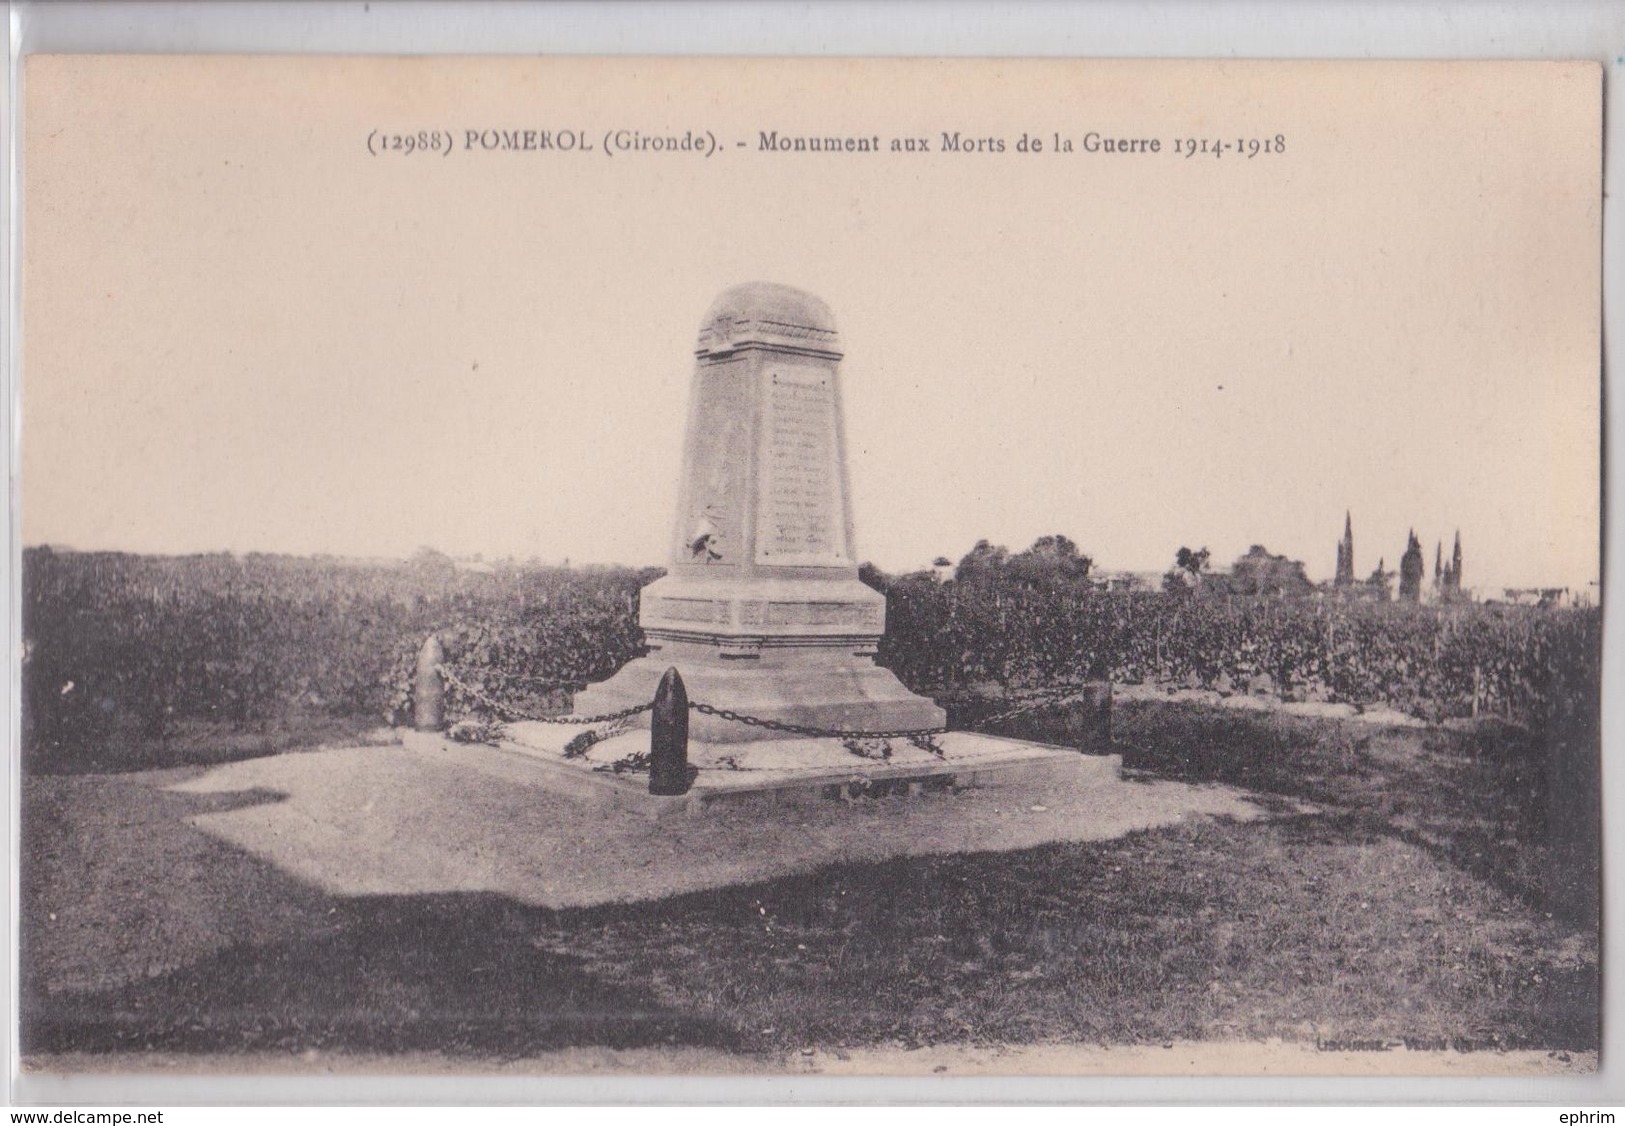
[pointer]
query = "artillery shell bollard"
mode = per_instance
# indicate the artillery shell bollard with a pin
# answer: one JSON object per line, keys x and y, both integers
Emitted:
{"x": 429, "y": 687}
{"x": 668, "y": 738}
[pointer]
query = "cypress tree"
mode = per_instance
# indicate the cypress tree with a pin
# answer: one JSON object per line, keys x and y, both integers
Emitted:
{"x": 1410, "y": 570}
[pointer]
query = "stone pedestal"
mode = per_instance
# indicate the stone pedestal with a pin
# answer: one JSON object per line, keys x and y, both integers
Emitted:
{"x": 761, "y": 609}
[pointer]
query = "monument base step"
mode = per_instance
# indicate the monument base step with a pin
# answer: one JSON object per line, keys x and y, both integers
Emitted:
{"x": 809, "y": 689}
{"x": 766, "y": 772}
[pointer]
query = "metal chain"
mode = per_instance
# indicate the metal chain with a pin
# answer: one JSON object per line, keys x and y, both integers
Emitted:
{"x": 1050, "y": 699}
{"x": 1047, "y": 700}
{"x": 813, "y": 732}
{"x": 480, "y": 695}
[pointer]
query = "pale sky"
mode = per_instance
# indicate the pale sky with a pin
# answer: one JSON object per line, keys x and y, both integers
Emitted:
{"x": 243, "y": 332}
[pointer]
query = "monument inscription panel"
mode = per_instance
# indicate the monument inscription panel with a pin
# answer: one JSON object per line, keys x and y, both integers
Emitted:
{"x": 799, "y": 519}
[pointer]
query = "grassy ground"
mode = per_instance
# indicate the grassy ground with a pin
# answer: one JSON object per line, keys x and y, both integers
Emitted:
{"x": 1410, "y": 908}
{"x": 1514, "y": 808}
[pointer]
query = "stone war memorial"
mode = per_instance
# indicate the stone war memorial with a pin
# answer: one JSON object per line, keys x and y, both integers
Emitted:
{"x": 761, "y": 611}
{"x": 762, "y": 608}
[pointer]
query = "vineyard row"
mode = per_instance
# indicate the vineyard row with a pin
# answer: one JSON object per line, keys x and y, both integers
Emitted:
{"x": 119, "y": 643}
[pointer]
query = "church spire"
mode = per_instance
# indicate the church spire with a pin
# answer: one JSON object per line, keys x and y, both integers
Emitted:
{"x": 1345, "y": 553}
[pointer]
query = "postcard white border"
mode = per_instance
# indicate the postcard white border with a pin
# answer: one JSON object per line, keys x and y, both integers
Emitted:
{"x": 1113, "y": 28}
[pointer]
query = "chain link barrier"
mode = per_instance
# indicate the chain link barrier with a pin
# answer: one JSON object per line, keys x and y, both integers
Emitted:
{"x": 483, "y": 697}
{"x": 1050, "y": 698}
{"x": 811, "y": 732}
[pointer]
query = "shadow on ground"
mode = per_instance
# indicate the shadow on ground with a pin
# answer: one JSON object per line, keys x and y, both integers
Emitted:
{"x": 140, "y": 932}
{"x": 456, "y": 974}
{"x": 1295, "y": 929}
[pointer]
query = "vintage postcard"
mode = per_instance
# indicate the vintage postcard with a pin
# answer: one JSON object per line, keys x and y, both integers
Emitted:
{"x": 816, "y": 567}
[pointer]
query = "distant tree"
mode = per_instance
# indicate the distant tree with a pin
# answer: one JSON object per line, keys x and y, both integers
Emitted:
{"x": 1447, "y": 576}
{"x": 1194, "y": 562}
{"x": 1051, "y": 561}
{"x": 428, "y": 561}
{"x": 1410, "y": 571}
{"x": 1262, "y": 574}
{"x": 1187, "y": 570}
{"x": 982, "y": 561}
{"x": 1381, "y": 582}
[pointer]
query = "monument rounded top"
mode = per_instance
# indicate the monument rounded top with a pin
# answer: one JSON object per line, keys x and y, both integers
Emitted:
{"x": 770, "y": 315}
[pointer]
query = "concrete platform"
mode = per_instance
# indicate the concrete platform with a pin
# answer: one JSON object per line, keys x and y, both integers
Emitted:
{"x": 768, "y": 771}
{"x": 437, "y": 817}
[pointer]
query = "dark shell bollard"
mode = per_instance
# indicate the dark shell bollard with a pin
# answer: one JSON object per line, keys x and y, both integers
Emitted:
{"x": 429, "y": 688}
{"x": 669, "y": 775}
{"x": 1087, "y": 723}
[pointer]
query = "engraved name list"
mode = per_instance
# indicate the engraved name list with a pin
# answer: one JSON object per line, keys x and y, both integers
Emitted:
{"x": 800, "y": 506}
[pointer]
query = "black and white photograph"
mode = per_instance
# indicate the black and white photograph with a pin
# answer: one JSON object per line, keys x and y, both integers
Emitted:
{"x": 816, "y": 567}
